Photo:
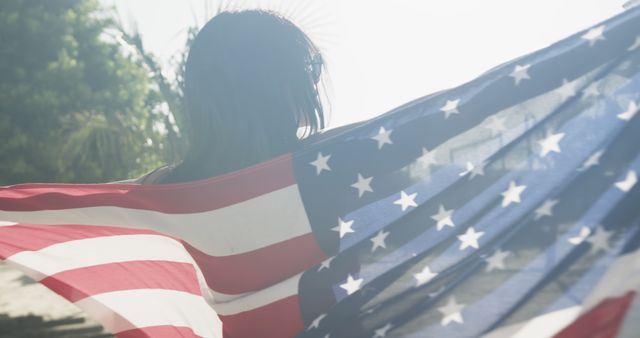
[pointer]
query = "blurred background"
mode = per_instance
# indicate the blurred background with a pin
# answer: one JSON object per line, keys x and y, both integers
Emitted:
{"x": 90, "y": 90}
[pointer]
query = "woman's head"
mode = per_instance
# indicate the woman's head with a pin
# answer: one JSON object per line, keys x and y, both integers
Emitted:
{"x": 251, "y": 80}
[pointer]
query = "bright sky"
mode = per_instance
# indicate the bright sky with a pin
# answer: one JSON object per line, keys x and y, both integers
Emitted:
{"x": 382, "y": 54}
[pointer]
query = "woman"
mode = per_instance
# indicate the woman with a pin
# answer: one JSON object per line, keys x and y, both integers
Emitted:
{"x": 251, "y": 83}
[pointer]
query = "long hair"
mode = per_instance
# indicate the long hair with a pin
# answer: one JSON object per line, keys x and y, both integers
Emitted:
{"x": 251, "y": 80}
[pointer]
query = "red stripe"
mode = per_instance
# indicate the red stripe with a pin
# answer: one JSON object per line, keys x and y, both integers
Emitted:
{"x": 159, "y": 332}
{"x": 603, "y": 321}
{"x": 260, "y": 268}
{"x": 235, "y": 274}
{"x": 77, "y": 284}
{"x": 191, "y": 197}
{"x": 30, "y": 237}
{"x": 279, "y": 319}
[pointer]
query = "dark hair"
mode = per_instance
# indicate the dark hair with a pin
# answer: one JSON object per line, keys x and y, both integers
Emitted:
{"x": 251, "y": 80}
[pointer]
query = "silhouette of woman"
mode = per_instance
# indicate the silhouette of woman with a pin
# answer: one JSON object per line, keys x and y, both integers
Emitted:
{"x": 251, "y": 84}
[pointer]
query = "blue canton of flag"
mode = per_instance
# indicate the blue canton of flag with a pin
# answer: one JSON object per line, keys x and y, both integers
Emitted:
{"x": 500, "y": 208}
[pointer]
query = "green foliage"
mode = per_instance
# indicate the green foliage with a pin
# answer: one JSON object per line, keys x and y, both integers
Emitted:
{"x": 74, "y": 107}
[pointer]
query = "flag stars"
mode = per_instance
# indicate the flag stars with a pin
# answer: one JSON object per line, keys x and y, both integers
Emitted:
{"x": 363, "y": 185}
{"x": 497, "y": 260}
{"x": 496, "y": 124}
{"x": 321, "y": 163}
{"x": 406, "y": 201}
{"x": 326, "y": 264}
{"x": 383, "y": 137}
{"x": 316, "y": 322}
{"x": 594, "y": 35}
{"x": 546, "y": 209}
{"x": 443, "y": 218}
{"x": 343, "y": 227}
{"x": 473, "y": 170}
{"x": 567, "y": 90}
{"x": 600, "y": 240}
{"x": 551, "y": 144}
{"x": 592, "y": 161}
{"x": 352, "y": 285}
{"x": 512, "y": 195}
{"x": 631, "y": 111}
{"x": 450, "y": 108}
{"x": 520, "y": 73}
{"x": 379, "y": 240}
{"x": 628, "y": 183}
{"x": 581, "y": 237}
{"x": 424, "y": 276}
{"x": 470, "y": 239}
{"x": 427, "y": 158}
{"x": 452, "y": 312}
{"x": 635, "y": 45}
{"x": 591, "y": 90}
{"x": 382, "y": 332}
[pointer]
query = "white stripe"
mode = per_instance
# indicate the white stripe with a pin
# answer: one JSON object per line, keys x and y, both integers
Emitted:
{"x": 622, "y": 276}
{"x": 102, "y": 250}
{"x": 256, "y": 223}
{"x": 631, "y": 324}
{"x": 260, "y": 298}
{"x": 7, "y": 224}
{"x": 546, "y": 325}
{"x": 125, "y": 310}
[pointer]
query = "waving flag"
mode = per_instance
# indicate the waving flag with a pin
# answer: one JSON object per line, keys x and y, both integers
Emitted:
{"x": 507, "y": 207}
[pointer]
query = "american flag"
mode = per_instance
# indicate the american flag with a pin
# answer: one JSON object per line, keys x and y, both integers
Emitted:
{"x": 506, "y": 207}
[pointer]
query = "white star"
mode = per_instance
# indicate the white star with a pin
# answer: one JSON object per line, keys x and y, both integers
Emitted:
{"x": 551, "y": 143}
{"x": 632, "y": 109}
{"x": 452, "y": 312}
{"x": 592, "y": 161}
{"x": 496, "y": 125}
{"x": 635, "y": 45}
{"x": 496, "y": 261}
{"x": 584, "y": 233}
{"x": 600, "y": 240}
{"x": 470, "y": 239}
{"x": 443, "y": 217}
{"x": 363, "y": 185}
{"x": 629, "y": 182}
{"x": 512, "y": 195}
{"x": 383, "y": 137}
{"x": 520, "y": 73}
{"x": 406, "y": 201}
{"x": 478, "y": 170}
{"x": 352, "y": 285}
{"x": 343, "y": 227}
{"x": 594, "y": 34}
{"x": 378, "y": 240}
{"x": 450, "y": 108}
{"x": 427, "y": 158}
{"x": 591, "y": 90}
{"x": 474, "y": 170}
{"x": 567, "y": 90}
{"x": 546, "y": 209}
{"x": 321, "y": 163}
{"x": 382, "y": 332}
{"x": 424, "y": 276}
{"x": 326, "y": 264}
{"x": 316, "y": 322}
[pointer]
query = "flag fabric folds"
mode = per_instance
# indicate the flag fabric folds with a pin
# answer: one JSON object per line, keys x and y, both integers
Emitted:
{"x": 506, "y": 207}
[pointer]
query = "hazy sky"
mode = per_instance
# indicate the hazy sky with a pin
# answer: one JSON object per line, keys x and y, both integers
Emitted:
{"x": 383, "y": 53}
